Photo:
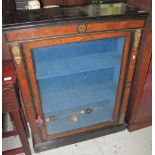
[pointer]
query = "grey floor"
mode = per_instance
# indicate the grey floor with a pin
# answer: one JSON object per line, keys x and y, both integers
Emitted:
{"x": 122, "y": 143}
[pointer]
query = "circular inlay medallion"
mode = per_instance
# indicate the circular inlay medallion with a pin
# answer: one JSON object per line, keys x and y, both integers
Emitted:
{"x": 82, "y": 28}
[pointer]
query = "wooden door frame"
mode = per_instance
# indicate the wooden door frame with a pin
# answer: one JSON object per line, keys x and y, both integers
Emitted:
{"x": 27, "y": 46}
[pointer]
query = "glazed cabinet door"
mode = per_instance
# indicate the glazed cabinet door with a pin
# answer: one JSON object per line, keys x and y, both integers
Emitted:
{"x": 78, "y": 83}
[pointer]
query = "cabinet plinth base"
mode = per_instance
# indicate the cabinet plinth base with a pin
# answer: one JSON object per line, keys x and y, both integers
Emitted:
{"x": 78, "y": 137}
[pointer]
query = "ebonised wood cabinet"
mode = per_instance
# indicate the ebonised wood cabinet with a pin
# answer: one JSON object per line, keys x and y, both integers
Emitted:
{"x": 75, "y": 68}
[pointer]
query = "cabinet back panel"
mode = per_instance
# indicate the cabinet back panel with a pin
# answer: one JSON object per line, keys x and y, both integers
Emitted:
{"x": 76, "y": 90}
{"x": 77, "y": 57}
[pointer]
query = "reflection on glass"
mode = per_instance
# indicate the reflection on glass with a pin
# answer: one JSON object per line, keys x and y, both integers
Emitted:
{"x": 78, "y": 82}
{"x": 107, "y": 9}
{"x": 113, "y": 8}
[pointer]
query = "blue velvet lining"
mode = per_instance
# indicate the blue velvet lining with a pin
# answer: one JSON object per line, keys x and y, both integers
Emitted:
{"x": 77, "y": 89}
{"x": 80, "y": 75}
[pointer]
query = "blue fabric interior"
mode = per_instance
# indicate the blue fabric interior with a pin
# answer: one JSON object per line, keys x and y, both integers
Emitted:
{"x": 79, "y": 75}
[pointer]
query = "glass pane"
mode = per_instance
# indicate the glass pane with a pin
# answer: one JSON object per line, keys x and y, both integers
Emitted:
{"x": 78, "y": 82}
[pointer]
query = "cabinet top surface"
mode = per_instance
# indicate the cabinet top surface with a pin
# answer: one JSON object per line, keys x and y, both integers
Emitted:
{"x": 103, "y": 12}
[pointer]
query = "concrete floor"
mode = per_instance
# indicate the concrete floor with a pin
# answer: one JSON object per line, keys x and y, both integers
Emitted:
{"x": 122, "y": 143}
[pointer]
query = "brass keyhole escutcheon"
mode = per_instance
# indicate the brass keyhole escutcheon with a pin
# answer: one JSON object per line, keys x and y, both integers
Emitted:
{"x": 82, "y": 28}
